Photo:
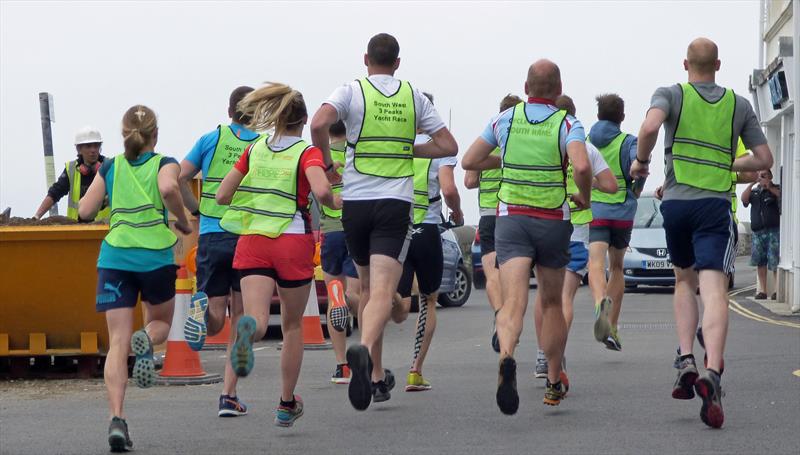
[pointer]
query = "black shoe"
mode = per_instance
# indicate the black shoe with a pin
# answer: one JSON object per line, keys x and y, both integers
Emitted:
{"x": 684, "y": 383}
{"x": 118, "y": 438}
{"x": 381, "y": 389}
{"x": 761, "y": 296}
{"x": 707, "y": 386}
{"x": 774, "y": 296}
{"x": 360, "y": 389}
{"x": 388, "y": 377}
{"x": 507, "y": 397}
{"x": 495, "y": 342}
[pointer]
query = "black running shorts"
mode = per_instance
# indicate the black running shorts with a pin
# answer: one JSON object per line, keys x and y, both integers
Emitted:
{"x": 380, "y": 226}
{"x": 424, "y": 258}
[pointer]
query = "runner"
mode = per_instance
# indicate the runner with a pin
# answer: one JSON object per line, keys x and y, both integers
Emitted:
{"x": 433, "y": 179}
{"x": 135, "y": 258}
{"x": 215, "y": 153}
{"x": 382, "y": 115}
{"x": 533, "y": 225}
{"x": 701, "y": 119}
{"x": 603, "y": 180}
{"x": 336, "y": 261}
{"x": 612, "y": 223}
{"x": 488, "y": 184}
{"x": 268, "y": 193}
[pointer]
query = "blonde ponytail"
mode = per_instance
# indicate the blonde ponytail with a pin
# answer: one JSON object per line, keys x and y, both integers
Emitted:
{"x": 274, "y": 107}
{"x": 138, "y": 128}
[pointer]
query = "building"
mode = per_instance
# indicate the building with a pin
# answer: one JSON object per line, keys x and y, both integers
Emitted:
{"x": 775, "y": 88}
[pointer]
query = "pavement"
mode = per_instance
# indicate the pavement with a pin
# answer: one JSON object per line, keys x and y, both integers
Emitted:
{"x": 619, "y": 402}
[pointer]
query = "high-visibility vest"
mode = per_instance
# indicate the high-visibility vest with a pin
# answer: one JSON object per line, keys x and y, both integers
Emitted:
{"x": 611, "y": 153}
{"x": 577, "y": 216}
{"x": 336, "y": 155}
{"x": 138, "y": 218}
{"x": 489, "y": 185}
{"x": 266, "y": 201}
{"x": 422, "y": 167}
{"x": 74, "y": 196}
{"x": 226, "y": 153}
{"x": 740, "y": 151}
{"x": 702, "y": 152}
{"x": 385, "y": 145}
{"x": 533, "y": 170}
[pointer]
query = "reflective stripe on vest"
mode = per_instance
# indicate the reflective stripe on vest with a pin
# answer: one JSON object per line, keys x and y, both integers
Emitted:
{"x": 227, "y": 152}
{"x": 422, "y": 168}
{"x": 336, "y": 155}
{"x": 734, "y": 197}
{"x": 489, "y": 185}
{"x": 266, "y": 201}
{"x": 577, "y": 216}
{"x": 533, "y": 172}
{"x": 611, "y": 153}
{"x": 702, "y": 151}
{"x": 74, "y": 196}
{"x": 138, "y": 218}
{"x": 385, "y": 145}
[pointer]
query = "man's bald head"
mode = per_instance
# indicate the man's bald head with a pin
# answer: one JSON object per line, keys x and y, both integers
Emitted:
{"x": 544, "y": 80}
{"x": 702, "y": 56}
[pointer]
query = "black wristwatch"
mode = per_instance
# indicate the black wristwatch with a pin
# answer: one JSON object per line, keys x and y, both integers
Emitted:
{"x": 642, "y": 161}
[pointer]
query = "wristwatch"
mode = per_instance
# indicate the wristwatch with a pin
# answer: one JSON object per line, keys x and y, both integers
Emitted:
{"x": 642, "y": 161}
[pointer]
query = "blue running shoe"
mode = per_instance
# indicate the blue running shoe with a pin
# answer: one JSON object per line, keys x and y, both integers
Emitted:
{"x": 286, "y": 416}
{"x": 144, "y": 369}
{"x": 242, "y": 352}
{"x": 231, "y": 407}
{"x": 195, "y": 327}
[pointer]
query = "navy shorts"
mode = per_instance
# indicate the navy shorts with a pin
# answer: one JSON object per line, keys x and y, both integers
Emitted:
{"x": 121, "y": 288}
{"x": 215, "y": 274}
{"x": 700, "y": 233}
{"x": 578, "y": 258}
{"x": 334, "y": 256}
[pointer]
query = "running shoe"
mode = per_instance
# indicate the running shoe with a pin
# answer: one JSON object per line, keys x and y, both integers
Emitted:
{"x": 760, "y": 296}
{"x": 683, "y": 389}
{"x": 708, "y": 387}
{"x": 495, "y": 339}
{"x": 381, "y": 389}
{"x": 339, "y": 313}
{"x": 602, "y": 328}
{"x": 554, "y": 393}
{"x": 144, "y": 368}
{"x": 360, "y": 388}
{"x": 286, "y": 416}
{"x": 231, "y": 407}
{"x": 613, "y": 341}
{"x": 507, "y": 396}
{"x": 416, "y": 383}
{"x": 195, "y": 328}
{"x": 118, "y": 438}
{"x": 341, "y": 375}
{"x": 540, "y": 371}
{"x": 564, "y": 381}
{"x": 242, "y": 359}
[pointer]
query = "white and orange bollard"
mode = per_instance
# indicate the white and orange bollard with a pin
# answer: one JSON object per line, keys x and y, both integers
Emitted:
{"x": 313, "y": 339}
{"x": 182, "y": 365}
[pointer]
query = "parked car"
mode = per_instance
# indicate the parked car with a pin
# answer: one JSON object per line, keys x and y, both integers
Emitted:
{"x": 456, "y": 281}
{"x": 647, "y": 261}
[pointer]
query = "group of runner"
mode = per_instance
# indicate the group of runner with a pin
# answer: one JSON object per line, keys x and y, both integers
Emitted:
{"x": 552, "y": 198}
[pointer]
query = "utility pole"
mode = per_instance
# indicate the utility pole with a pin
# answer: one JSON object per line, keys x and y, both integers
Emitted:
{"x": 46, "y": 113}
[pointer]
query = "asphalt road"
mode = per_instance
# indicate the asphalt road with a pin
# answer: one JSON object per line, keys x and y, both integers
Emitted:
{"x": 618, "y": 403}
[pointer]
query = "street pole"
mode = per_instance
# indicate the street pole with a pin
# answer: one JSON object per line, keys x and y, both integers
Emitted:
{"x": 45, "y": 110}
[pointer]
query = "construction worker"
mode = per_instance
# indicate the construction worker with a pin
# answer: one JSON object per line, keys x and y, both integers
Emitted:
{"x": 337, "y": 263}
{"x": 268, "y": 191}
{"x": 77, "y": 176}
{"x": 533, "y": 218}
{"x": 605, "y": 181}
{"x": 488, "y": 184}
{"x": 612, "y": 219}
{"x": 136, "y": 259}
{"x": 433, "y": 180}
{"x": 703, "y": 122}
{"x": 382, "y": 115}
{"x": 215, "y": 153}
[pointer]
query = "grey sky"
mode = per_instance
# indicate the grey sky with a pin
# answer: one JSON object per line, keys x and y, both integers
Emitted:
{"x": 183, "y": 59}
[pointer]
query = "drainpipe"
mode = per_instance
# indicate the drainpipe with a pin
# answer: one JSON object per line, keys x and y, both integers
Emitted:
{"x": 795, "y": 297}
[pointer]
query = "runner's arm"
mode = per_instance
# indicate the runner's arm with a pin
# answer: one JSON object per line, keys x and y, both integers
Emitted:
{"x": 91, "y": 202}
{"x": 321, "y": 188}
{"x": 441, "y": 145}
{"x": 188, "y": 171}
{"x": 581, "y": 172}
{"x": 472, "y": 179}
{"x": 229, "y": 186}
{"x": 447, "y": 181}
{"x": 325, "y": 116}
{"x": 605, "y": 182}
{"x": 171, "y": 193}
{"x": 760, "y": 160}
{"x": 479, "y": 157}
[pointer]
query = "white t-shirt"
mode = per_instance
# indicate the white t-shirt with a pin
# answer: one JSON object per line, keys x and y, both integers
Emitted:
{"x": 434, "y": 188}
{"x": 349, "y": 104}
{"x": 580, "y": 233}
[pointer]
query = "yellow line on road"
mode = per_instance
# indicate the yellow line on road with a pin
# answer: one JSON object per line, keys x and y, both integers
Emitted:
{"x": 736, "y": 307}
{"x": 796, "y": 373}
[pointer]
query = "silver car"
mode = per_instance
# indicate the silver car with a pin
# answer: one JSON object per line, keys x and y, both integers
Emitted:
{"x": 647, "y": 261}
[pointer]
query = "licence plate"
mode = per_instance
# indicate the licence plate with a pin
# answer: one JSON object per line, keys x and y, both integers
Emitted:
{"x": 655, "y": 265}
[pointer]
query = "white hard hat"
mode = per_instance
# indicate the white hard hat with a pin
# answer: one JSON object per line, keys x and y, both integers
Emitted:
{"x": 88, "y": 135}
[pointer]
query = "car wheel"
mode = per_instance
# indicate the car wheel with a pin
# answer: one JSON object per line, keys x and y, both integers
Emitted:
{"x": 461, "y": 292}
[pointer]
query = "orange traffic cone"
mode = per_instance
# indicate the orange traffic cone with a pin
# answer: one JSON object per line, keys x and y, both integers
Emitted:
{"x": 312, "y": 325}
{"x": 182, "y": 365}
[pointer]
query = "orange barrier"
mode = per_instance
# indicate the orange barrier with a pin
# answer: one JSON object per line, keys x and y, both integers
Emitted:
{"x": 312, "y": 326}
{"x": 220, "y": 340}
{"x": 182, "y": 365}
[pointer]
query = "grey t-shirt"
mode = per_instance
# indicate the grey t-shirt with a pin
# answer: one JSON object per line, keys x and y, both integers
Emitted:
{"x": 745, "y": 124}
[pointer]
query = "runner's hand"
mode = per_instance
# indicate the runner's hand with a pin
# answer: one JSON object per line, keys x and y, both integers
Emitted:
{"x": 639, "y": 170}
{"x": 337, "y": 201}
{"x": 457, "y": 217}
{"x": 659, "y": 192}
{"x": 183, "y": 226}
{"x": 333, "y": 174}
{"x": 580, "y": 201}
